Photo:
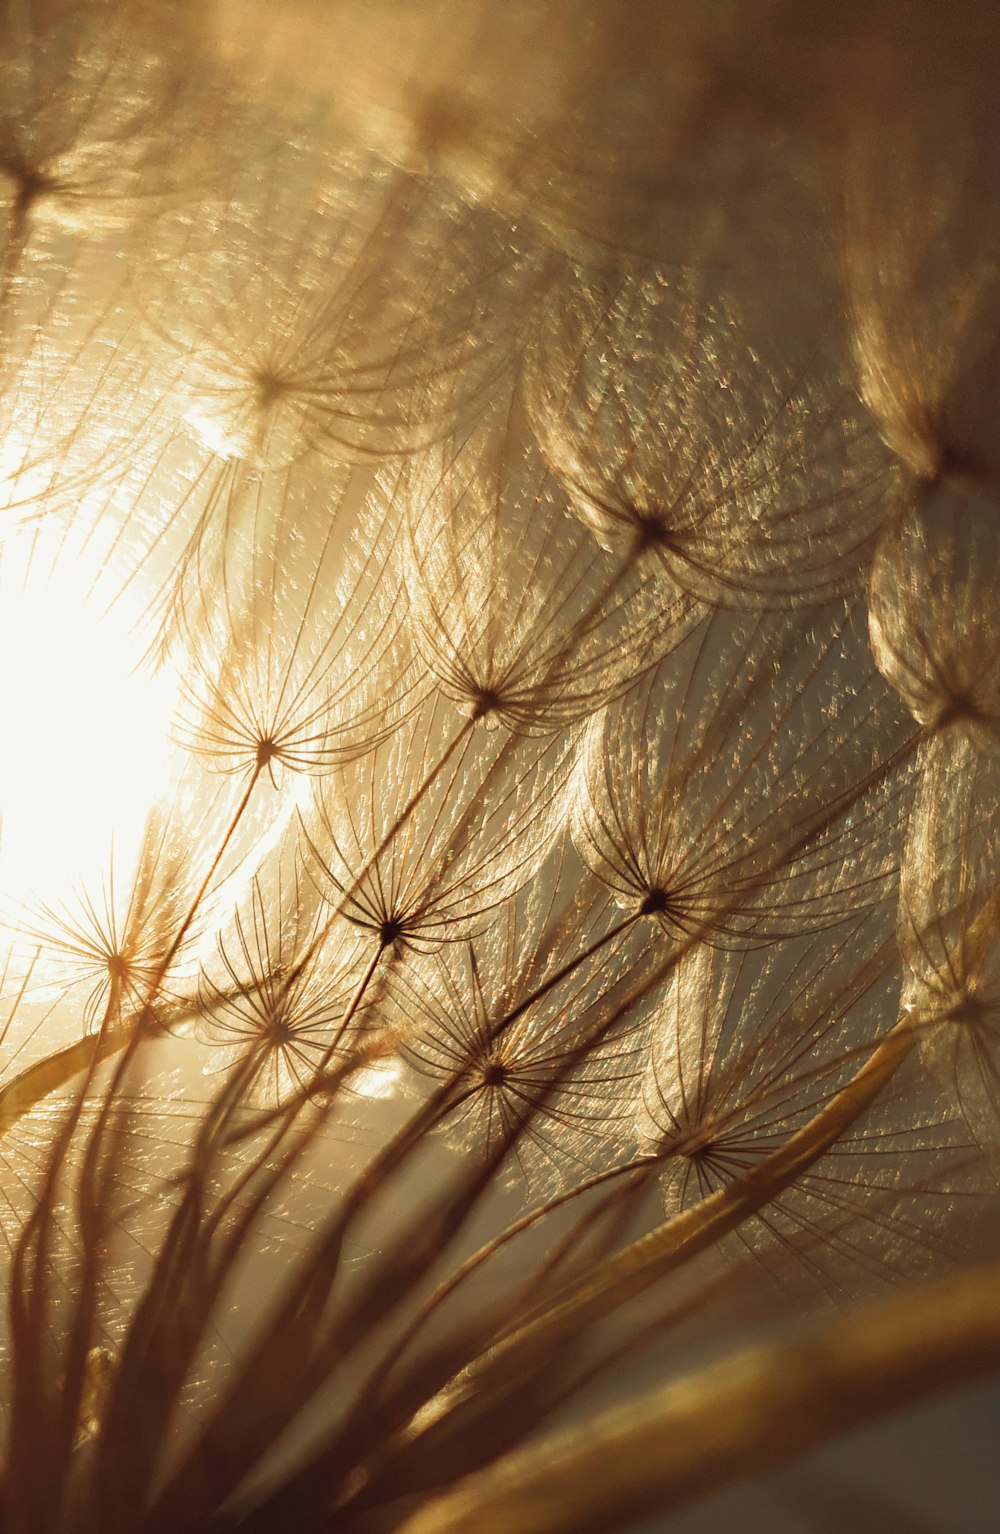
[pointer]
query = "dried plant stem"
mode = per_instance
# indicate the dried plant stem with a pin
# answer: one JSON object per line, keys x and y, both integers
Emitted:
{"x": 40, "y": 1080}
{"x": 752, "y": 1411}
{"x": 586, "y": 1302}
{"x": 698, "y": 1228}
{"x": 33, "y": 1085}
{"x": 566, "y": 971}
{"x": 183, "y": 929}
{"x": 413, "y": 804}
{"x": 353, "y": 1005}
{"x": 634, "y": 1169}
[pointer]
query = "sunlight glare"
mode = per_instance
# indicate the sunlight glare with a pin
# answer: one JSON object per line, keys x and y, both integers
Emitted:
{"x": 84, "y": 745}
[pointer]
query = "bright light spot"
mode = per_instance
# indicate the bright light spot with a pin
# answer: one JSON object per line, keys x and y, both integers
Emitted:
{"x": 83, "y": 734}
{"x": 379, "y": 1080}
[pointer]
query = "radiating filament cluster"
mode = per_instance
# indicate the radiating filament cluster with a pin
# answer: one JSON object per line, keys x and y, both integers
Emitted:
{"x": 501, "y": 756}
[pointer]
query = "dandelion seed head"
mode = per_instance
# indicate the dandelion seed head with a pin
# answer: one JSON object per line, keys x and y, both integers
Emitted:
{"x": 553, "y": 826}
{"x": 932, "y": 610}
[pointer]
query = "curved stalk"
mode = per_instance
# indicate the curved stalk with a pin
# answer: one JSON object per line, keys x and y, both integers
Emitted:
{"x": 701, "y": 1226}
{"x": 754, "y": 1410}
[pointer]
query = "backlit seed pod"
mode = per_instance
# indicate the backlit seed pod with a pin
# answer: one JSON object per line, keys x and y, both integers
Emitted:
{"x": 717, "y": 1084}
{"x": 234, "y": 1296}
{"x": 744, "y": 1050}
{"x": 743, "y": 478}
{"x": 332, "y": 303}
{"x": 750, "y": 788}
{"x": 122, "y": 949}
{"x": 920, "y": 266}
{"x": 520, "y": 616}
{"x": 270, "y": 1003}
{"x": 952, "y": 991}
{"x": 531, "y": 1020}
{"x": 934, "y": 610}
{"x": 419, "y": 843}
{"x": 951, "y": 851}
{"x": 949, "y": 926}
{"x": 298, "y": 662}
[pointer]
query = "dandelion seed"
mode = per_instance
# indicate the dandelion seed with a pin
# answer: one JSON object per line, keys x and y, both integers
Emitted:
{"x": 699, "y": 803}
{"x": 349, "y": 436}
{"x": 718, "y": 1097}
{"x": 921, "y": 279}
{"x": 303, "y": 663}
{"x": 366, "y": 327}
{"x": 554, "y": 1061}
{"x": 82, "y": 142}
{"x": 933, "y": 615}
{"x": 743, "y": 481}
{"x": 260, "y": 1004}
{"x": 472, "y": 834}
{"x": 520, "y": 617}
{"x": 948, "y": 928}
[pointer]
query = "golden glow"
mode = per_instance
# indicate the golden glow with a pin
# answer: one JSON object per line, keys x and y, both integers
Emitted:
{"x": 83, "y": 735}
{"x": 380, "y": 1079}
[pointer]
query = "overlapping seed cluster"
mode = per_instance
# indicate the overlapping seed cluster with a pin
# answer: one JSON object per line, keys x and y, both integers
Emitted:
{"x": 584, "y": 775}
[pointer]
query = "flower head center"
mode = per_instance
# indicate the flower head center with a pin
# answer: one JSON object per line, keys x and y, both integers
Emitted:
{"x": 485, "y": 701}
{"x": 119, "y": 967}
{"x": 391, "y": 930}
{"x": 655, "y": 902}
{"x": 269, "y": 386}
{"x": 267, "y": 750}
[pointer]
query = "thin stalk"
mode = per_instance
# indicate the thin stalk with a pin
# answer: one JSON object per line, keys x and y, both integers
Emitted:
{"x": 565, "y": 971}
{"x": 680, "y": 1238}
{"x": 40, "y": 1080}
{"x": 213, "y": 868}
{"x": 699, "y": 1228}
{"x": 416, "y": 799}
{"x": 353, "y": 1005}
{"x": 472, "y": 1264}
{"x": 754, "y": 1410}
